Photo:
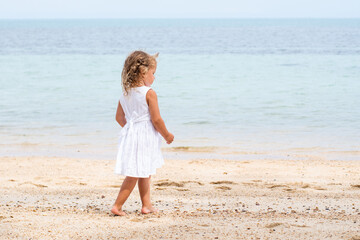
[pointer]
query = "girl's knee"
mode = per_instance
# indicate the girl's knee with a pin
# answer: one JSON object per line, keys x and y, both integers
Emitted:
{"x": 132, "y": 178}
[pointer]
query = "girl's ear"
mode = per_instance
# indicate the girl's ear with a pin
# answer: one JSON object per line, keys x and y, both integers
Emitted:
{"x": 156, "y": 55}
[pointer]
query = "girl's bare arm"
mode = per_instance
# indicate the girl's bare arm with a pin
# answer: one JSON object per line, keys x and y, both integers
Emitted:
{"x": 156, "y": 119}
{"x": 120, "y": 115}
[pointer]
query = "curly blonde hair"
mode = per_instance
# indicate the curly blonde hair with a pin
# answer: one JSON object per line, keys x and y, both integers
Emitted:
{"x": 136, "y": 65}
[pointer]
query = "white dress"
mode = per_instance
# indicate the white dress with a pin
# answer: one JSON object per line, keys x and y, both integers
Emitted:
{"x": 139, "y": 153}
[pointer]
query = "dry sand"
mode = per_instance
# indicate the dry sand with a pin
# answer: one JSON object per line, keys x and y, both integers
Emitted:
{"x": 63, "y": 198}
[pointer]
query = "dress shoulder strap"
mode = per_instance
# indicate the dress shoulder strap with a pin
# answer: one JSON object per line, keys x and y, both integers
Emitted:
{"x": 144, "y": 89}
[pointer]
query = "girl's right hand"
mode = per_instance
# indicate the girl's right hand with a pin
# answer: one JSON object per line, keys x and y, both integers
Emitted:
{"x": 169, "y": 138}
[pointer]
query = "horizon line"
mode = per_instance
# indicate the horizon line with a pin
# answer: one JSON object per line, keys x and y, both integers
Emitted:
{"x": 179, "y": 18}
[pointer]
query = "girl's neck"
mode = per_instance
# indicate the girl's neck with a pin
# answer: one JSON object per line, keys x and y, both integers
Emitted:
{"x": 140, "y": 84}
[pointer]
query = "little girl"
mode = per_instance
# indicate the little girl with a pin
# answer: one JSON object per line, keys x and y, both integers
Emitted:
{"x": 138, "y": 114}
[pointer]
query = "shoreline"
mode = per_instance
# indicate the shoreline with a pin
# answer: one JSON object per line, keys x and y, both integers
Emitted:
{"x": 52, "y": 197}
{"x": 185, "y": 152}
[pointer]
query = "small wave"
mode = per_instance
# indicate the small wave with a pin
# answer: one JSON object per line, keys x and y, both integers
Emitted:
{"x": 197, "y": 123}
{"x": 192, "y": 149}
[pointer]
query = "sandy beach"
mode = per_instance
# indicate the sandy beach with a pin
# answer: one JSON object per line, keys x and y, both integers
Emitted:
{"x": 64, "y": 198}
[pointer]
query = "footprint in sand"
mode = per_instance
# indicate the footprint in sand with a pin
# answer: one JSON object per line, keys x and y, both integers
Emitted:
{"x": 272, "y": 225}
{"x": 168, "y": 184}
{"x": 35, "y": 184}
{"x": 183, "y": 189}
{"x": 278, "y": 186}
{"x": 162, "y": 184}
{"x": 296, "y": 225}
{"x": 289, "y": 190}
{"x": 199, "y": 183}
{"x": 223, "y": 188}
{"x": 223, "y": 182}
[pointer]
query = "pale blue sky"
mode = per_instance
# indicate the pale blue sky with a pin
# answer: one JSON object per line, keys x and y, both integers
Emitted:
{"x": 179, "y": 9}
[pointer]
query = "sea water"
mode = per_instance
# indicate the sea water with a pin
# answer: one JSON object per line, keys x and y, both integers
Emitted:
{"x": 239, "y": 87}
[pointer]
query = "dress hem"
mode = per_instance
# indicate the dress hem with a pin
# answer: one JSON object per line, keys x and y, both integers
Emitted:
{"x": 136, "y": 175}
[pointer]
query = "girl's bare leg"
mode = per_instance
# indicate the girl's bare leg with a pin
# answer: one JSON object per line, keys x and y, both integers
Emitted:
{"x": 125, "y": 190}
{"x": 144, "y": 189}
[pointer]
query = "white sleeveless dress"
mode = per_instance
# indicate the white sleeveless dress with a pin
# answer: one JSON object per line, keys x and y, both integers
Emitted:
{"x": 139, "y": 153}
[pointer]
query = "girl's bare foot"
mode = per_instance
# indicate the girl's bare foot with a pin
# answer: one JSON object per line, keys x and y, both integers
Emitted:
{"x": 146, "y": 210}
{"x": 117, "y": 212}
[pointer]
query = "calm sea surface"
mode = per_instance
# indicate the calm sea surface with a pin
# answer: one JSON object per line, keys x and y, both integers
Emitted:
{"x": 232, "y": 87}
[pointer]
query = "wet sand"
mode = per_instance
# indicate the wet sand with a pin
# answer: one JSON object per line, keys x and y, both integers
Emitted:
{"x": 64, "y": 198}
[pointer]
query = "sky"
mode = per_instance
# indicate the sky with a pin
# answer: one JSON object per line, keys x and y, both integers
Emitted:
{"x": 20, "y": 9}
